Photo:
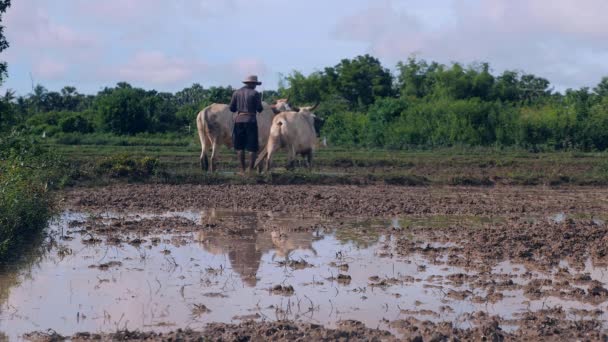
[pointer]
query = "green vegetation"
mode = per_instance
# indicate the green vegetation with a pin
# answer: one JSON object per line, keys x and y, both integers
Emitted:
{"x": 27, "y": 174}
{"x": 422, "y": 105}
{"x": 466, "y": 166}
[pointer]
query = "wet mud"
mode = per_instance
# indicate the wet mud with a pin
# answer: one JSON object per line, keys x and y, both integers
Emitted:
{"x": 320, "y": 263}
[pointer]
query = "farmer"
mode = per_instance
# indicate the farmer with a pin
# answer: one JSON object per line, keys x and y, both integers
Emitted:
{"x": 246, "y": 103}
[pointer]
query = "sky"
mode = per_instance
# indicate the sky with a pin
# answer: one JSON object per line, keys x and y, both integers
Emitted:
{"x": 169, "y": 45}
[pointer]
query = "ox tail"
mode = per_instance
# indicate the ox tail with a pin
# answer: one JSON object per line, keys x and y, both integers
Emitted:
{"x": 201, "y": 125}
{"x": 263, "y": 155}
{"x": 276, "y": 135}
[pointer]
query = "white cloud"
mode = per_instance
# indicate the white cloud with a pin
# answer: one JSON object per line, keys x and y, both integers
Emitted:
{"x": 560, "y": 39}
{"x": 47, "y": 69}
{"x": 158, "y": 69}
{"x": 29, "y": 25}
{"x": 169, "y": 44}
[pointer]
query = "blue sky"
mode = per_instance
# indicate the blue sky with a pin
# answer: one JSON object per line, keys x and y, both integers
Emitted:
{"x": 168, "y": 45}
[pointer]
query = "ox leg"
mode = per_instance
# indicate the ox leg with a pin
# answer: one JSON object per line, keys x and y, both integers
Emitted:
{"x": 204, "y": 161}
{"x": 213, "y": 150}
{"x": 291, "y": 159}
{"x": 309, "y": 160}
{"x": 270, "y": 149}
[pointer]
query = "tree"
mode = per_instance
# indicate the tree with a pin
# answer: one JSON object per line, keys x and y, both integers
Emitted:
{"x": 220, "y": 94}
{"x": 602, "y": 87}
{"x": 483, "y": 82}
{"x": 360, "y": 80}
{"x": 416, "y": 78}
{"x": 533, "y": 88}
{"x": 305, "y": 90}
{"x": 121, "y": 110}
{"x": 4, "y": 5}
{"x": 507, "y": 86}
{"x": 193, "y": 95}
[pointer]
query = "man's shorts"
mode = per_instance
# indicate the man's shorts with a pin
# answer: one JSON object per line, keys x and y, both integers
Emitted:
{"x": 245, "y": 136}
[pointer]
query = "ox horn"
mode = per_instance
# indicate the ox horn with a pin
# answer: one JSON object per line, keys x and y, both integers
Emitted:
{"x": 315, "y": 106}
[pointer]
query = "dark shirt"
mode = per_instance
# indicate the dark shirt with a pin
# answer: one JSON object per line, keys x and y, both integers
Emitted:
{"x": 246, "y": 102}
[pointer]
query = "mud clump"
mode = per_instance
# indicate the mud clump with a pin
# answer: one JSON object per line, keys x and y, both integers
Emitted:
{"x": 106, "y": 266}
{"x": 284, "y": 290}
{"x": 343, "y": 279}
{"x": 342, "y": 267}
{"x": 295, "y": 264}
{"x": 375, "y": 281}
{"x": 199, "y": 310}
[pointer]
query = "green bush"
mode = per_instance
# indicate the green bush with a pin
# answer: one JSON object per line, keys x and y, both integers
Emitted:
{"x": 28, "y": 172}
{"x": 75, "y": 123}
{"x": 123, "y": 165}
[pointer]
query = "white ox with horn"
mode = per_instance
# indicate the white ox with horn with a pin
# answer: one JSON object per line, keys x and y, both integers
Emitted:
{"x": 294, "y": 131}
{"x": 216, "y": 122}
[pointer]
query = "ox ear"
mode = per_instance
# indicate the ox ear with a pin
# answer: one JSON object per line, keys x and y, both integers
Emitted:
{"x": 274, "y": 109}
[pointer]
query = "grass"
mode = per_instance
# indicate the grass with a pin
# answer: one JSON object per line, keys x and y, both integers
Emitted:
{"x": 447, "y": 166}
{"x": 27, "y": 175}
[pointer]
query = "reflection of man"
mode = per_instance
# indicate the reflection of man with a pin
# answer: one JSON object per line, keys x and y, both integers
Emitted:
{"x": 246, "y": 103}
{"x": 243, "y": 251}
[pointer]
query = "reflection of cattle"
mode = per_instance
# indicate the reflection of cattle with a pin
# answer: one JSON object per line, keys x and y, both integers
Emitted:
{"x": 215, "y": 124}
{"x": 245, "y": 238}
{"x": 286, "y": 242}
{"x": 294, "y": 131}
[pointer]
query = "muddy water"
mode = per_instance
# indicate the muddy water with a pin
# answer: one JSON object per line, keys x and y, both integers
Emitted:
{"x": 232, "y": 266}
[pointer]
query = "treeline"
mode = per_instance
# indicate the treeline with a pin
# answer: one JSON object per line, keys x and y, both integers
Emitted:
{"x": 121, "y": 110}
{"x": 431, "y": 104}
{"x": 422, "y": 104}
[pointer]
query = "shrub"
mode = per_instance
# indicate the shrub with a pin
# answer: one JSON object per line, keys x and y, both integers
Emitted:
{"x": 123, "y": 165}
{"x": 27, "y": 173}
{"x": 75, "y": 123}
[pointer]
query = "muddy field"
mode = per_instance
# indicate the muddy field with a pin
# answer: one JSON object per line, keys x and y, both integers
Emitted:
{"x": 229, "y": 262}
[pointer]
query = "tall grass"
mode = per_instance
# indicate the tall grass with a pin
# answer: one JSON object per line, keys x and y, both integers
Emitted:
{"x": 28, "y": 173}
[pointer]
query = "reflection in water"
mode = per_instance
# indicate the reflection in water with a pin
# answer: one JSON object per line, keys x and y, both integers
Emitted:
{"x": 248, "y": 238}
{"x": 12, "y": 273}
{"x": 229, "y": 262}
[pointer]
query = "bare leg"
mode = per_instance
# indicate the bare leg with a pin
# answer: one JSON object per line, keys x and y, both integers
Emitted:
{"x": 252, "y": 157}
{"x": 241, "y": 154}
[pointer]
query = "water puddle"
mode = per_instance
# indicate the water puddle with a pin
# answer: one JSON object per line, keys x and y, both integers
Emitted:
{"x": 110, "y": 271}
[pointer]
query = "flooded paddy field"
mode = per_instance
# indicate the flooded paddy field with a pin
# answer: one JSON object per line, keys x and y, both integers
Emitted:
{"x": 316, "y": 262}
